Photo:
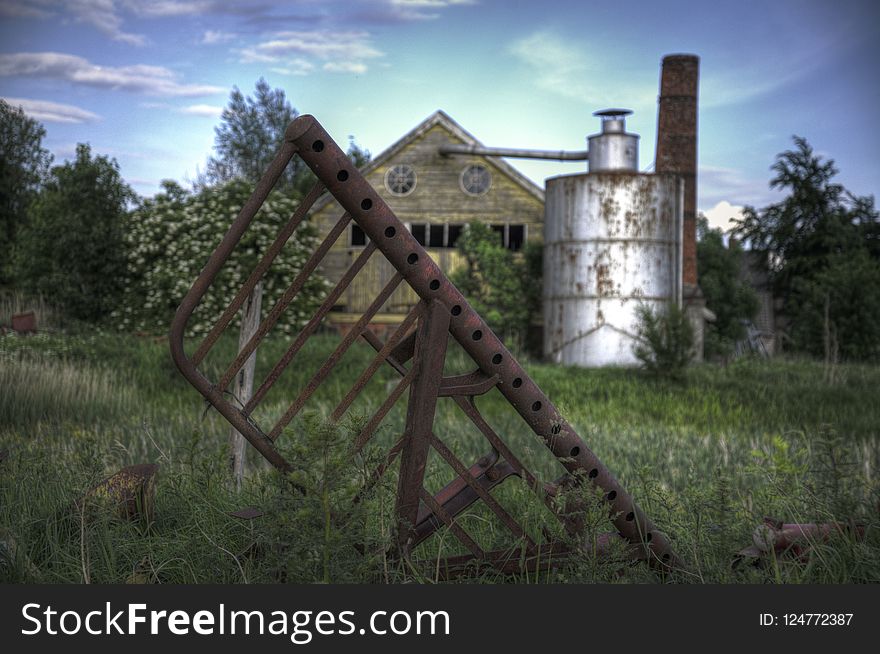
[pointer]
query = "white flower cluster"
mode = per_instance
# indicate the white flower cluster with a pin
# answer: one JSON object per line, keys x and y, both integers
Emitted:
{"x": 171, "y": 237}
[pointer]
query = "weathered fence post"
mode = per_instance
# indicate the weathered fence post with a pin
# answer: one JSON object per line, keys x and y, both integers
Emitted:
{"x": 244, "y": 380}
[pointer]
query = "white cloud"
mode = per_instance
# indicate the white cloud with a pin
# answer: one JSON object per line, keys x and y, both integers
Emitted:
{"x": 294, "y": 67}
{"x": 344, "y": 67}
{"x": 17, "y": 9}
{"x": 151, "y": 80}
{"x": 103, "y": 15}
{"x": 341, "y": 51}
{"x": 206, "y": 110}
{"x": 53, "y": 112}
{"x": 431, "y": 3}
{"x": 567, "y": 68}
{"x": 163, "y": 8}
{"x": 212, "y": 37}
{"x": 416, "y": 5}
{"x": 723, "y": 214}
{"x": 717, "y": 184}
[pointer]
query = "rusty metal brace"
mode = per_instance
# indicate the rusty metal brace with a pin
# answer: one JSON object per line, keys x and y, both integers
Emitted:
{"x": 421, "y": 338}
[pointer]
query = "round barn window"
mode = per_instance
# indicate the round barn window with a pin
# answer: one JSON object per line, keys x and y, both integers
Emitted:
{"x": 400, "y": 180}
{"x": 475, "y": 180}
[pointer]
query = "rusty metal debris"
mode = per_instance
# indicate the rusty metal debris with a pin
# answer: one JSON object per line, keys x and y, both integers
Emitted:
{"x": 24, "y": 322}
{"x": 773, "y": 538}
{"x": 417, "y": 351}
{"x": 131, "y": 492}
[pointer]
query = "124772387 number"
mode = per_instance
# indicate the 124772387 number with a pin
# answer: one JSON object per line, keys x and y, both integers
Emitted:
{"x": 816, "y": 619}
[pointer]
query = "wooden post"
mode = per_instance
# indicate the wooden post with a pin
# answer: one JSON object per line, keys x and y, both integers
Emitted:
{"x": 243, "y": 387}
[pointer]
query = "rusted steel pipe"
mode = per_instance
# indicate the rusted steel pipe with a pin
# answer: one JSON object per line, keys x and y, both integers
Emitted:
{"x": 775, "y": 537}
{"x": 514, "y": 153}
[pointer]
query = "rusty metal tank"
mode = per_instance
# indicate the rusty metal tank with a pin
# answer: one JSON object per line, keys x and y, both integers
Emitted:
{"x": 612, "y": 240}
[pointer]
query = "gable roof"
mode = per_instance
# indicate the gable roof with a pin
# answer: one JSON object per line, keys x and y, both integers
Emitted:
{"x": 441, "y": 118}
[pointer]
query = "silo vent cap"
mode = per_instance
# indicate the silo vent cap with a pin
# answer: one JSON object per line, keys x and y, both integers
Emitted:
{"x": 613, "y": 120}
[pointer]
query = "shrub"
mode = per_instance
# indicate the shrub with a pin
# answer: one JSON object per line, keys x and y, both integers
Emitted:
{"x": 503, "y": 287}
{"x": 665, "y": 340}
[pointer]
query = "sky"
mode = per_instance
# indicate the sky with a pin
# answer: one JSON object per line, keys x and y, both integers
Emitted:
{"x": 144, "y": 81}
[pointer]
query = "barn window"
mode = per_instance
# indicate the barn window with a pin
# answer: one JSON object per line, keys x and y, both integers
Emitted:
{"x": 358, "y": 237}
{"x": 419, "y": 232}
{"x": 511, "y": 236}
{"x": 400, "y": 180}
{"x": 516, "y": 235}
{"x": 434, "y": 235}
{"x": 453, "y": 234}
{"x": 475, "y": 180}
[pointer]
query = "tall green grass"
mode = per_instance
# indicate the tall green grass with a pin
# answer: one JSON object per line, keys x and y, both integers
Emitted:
{"x": 706, "y": 458}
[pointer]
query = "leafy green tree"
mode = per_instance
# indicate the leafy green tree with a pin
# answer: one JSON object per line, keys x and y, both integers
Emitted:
{"x": 499, "y": 284}
{"x": 171, "y": 236}
{"x": 359, "y": 156}
{"x": 72, "y": 249}
{"x": 819, "y": 237}
{"x": 24, "y": 164}
{"x": 249, "y": 136}
{"x": 730, "y": 298}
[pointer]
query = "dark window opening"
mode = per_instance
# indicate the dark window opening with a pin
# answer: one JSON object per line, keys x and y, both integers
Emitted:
{"x": 499, "y": 229}
{"x": 454, "y": 233}
{"x": 512, "y": 237}
{"x": 418, "y": 232}
{"x": 436, "y": 239}
{"x": 358, "y": 237}
{"x": 435, "y": 236}
{"x": 516, "y": 235}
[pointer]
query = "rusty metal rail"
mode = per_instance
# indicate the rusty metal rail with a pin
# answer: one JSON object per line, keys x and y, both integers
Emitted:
{"x": 417, "y": 351}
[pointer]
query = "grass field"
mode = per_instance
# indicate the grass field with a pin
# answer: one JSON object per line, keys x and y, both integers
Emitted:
{"x": 706, "y": 459}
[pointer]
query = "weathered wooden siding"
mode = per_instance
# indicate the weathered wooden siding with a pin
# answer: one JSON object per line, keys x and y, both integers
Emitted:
{"x": 436, "y": 199}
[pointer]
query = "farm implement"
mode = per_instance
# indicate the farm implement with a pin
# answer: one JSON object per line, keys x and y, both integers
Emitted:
{"x": 416, "y": 350}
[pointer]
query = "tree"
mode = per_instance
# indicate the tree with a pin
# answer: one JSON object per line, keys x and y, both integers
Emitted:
{"x": 730, "y": 298}
{"x": 249, "y": 136}
{"x": 72, "y": 250}
{"x": 170, "y": 238}
{"x": 24, "y": 163}
{"x": 817, "y": 239}
{"x": 500, "y": 285}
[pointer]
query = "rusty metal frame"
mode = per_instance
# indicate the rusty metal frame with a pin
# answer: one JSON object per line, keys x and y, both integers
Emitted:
{"x": 421, "y": 338}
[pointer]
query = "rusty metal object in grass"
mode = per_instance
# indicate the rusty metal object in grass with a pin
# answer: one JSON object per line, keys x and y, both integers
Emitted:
{"x": 24, "y": 322}
{"x": 130, "y": 493}
{"x": 416, "y": 350}
{"x": 773, "y": 538}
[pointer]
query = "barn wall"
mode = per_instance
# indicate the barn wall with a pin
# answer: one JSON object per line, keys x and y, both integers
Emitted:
{"x": 437, "y": 199}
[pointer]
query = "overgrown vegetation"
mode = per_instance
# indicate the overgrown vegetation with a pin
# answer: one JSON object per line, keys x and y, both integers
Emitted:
{"x": 171, "y": 236}
{"x": 728, "y": 295}
{"x": 24, "y": 163}
{"x": 664, "y": 340}
{"x": 503, "y": 286}
{"x": 822, "y": 248}
{"x": 706, "y": 460}
{"x": 71, "y": 250}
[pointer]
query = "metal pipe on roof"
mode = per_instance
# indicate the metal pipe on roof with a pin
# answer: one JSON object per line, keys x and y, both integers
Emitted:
{"x": 482, "y": 151}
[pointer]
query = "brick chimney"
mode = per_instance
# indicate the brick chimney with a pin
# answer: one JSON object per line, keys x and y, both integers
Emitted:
{"x": 677, "y": 145}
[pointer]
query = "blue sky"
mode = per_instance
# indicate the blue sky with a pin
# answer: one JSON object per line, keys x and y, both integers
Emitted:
{"x": 144, "y": 81}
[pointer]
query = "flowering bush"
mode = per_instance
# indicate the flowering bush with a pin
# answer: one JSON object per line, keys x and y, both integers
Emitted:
{"x": 170, "y": 238}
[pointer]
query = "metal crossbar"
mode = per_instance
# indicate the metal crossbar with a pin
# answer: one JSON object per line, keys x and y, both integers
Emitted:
{"x": 416, "y": 350}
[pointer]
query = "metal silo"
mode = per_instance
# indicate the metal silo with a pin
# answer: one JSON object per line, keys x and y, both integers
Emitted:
{"x": 612, "y": 240}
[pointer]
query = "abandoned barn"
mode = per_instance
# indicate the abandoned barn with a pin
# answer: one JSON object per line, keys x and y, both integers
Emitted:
{"x": 435, "y": 195}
